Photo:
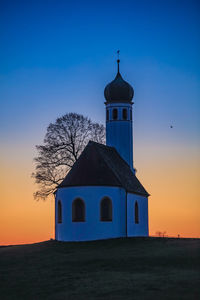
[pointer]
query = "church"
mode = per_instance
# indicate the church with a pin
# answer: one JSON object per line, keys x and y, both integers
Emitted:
{"x": 101, "y": 197}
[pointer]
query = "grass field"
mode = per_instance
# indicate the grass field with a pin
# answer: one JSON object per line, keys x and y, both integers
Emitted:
{"x": 133, "y": 268}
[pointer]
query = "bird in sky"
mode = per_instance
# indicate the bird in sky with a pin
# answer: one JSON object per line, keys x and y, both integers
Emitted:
{"x": 171, "y": 126}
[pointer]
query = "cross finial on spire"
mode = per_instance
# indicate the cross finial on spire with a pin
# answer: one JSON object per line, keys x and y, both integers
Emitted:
{"x": 118, "y": 60}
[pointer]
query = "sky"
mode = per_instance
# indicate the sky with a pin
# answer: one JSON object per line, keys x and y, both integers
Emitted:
{"x": 58, "y": 56}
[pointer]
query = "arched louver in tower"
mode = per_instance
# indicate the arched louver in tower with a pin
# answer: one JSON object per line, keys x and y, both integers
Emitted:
{"x": 107, "y": 115}
{"x": 136, "y": 213}
{"x": 106, "y": 209}
{"x": 78, "y": 210}
{"x": 115, "y": 114}
{"x": 59, "y": 212}
{"x": 124, "y": 113}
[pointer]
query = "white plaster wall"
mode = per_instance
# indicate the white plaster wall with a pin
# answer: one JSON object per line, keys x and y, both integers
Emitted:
{"x": 119, "y": 133}
{"x": 92, "y": 228}
{"x": 142, "y": 228}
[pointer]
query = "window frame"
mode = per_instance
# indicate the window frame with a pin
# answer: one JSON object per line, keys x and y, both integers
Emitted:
{"x": 74, "y": 216}
{"x": 136, "y": 212}
{"x": 110, "y": 212}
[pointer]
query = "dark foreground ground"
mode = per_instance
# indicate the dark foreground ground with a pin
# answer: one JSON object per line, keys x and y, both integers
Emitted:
{"x": 134, "y": 268}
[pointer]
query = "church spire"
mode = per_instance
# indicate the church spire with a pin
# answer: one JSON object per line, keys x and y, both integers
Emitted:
{"x": 118, "y": 90}
{"x": 119, "y": 132}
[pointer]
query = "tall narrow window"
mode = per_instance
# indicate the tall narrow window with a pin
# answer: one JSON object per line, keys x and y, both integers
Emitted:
{"x": 136, "y": 213}
{"x": 106, "y": 209}
{"x": 115, "y": 114}
{"x": 107, "y": 114}
{"x": 78, "y": 210}
{"x": 124, "y": 113}
{"x": 131, "y": 114}
{"x": 59, "y": 212}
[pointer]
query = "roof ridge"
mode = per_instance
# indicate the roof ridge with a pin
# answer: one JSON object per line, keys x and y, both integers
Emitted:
{"x": 114, "y": 170}
{"x": 100, "y": 144}
{"x": 110, "y": 147}
{"x": 114, "y": 173}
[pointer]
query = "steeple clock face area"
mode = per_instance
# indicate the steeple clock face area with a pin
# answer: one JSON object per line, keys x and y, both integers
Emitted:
{"x": 118, "y": 112}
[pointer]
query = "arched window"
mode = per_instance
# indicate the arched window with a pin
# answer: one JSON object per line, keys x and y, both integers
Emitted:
{"x": 136, "y": 213}
{"x": 124, "y": 114}
{"x": 78, "y": 210}
{"x": 106, "y": 209}
{"x": 107, "y": 114}
{"x": 59, "y": 212}
{"x": 115, "y": 114}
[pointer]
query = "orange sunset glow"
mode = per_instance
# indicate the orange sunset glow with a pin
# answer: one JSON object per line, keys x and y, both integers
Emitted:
{"x": 173, "y": 205}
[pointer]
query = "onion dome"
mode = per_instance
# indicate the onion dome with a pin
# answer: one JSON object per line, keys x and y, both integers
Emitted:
{"x": 118, "y": 90}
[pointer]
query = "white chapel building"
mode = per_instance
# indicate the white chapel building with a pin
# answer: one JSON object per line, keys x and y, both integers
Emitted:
{"x": 101, "y": 197}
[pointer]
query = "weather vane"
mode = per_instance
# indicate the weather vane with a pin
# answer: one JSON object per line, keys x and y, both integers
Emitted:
{"x": 118, "y": 60}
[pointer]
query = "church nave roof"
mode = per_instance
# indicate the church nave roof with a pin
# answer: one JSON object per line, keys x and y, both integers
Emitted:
{"x": 100, "y": 165}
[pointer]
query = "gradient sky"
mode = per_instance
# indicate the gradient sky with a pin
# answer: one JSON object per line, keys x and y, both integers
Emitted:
{"x": 57, "y": 57}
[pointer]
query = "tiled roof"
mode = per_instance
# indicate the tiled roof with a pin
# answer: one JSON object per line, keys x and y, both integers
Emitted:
{"x": 100, "y": 165}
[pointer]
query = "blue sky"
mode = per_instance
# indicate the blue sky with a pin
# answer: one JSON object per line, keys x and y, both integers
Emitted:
{"x": 57, "y": 57}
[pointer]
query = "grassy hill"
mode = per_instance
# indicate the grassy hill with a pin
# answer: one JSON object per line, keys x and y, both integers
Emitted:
{"x": 133, "y": 268}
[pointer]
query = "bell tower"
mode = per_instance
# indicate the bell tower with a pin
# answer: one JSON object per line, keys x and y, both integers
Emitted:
{"x": 119, "y": 128}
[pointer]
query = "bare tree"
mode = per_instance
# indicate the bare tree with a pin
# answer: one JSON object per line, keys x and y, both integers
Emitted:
{"x": 63, "y": 143}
